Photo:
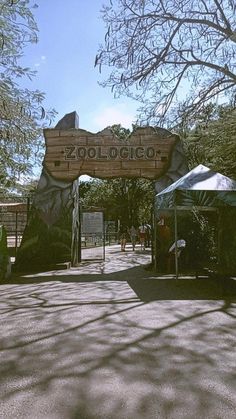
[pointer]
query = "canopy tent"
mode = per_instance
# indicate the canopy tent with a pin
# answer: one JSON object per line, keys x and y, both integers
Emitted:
{"x": 200, "y": 188}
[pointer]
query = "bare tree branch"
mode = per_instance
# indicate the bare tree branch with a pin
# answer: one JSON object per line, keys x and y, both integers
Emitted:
{"x": 160, "y": 49}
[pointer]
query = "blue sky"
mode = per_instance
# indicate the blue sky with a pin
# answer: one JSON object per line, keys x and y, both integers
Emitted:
{"x": 69, "y": 36}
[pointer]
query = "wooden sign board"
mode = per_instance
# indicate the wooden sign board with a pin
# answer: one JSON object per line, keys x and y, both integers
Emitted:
{"x": 74, "y": 152}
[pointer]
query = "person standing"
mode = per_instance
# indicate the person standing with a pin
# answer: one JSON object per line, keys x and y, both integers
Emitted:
{"x": 123, "y": 237}
{"x": 133, "y": 234}
{"x": 142, "y": 235}
{"x": 147, "y": 235}
{"x": 179, "y": 246}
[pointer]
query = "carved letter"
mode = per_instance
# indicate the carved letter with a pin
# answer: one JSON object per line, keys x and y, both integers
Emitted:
{"x": 100, "y": 155}
{"x": 113, "y": 152}
{"x": 124, "y": 152}
{"x": 150, "y": 153}
{"x": 69, "y": 153}
{"x": 139, "y": 152}
{"x": 81, "y": 153}
{"x": 92, "y": 152}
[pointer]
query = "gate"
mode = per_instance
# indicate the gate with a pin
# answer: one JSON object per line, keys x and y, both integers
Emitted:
{"x": 92, "y": 235}
{"x": 13, "y": 216}
{"x": 148, "y": 152}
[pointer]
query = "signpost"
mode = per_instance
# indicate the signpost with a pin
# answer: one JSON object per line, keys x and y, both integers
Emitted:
{"x": 92, "y": 224}
{"x": 71, "y": 153}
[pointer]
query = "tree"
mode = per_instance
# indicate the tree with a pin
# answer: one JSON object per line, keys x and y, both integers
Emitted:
{"x": 21, "y": 109}
{"x": 212, "y": 139}
{"x": 127, "y": 200}
{"x": 168, "y": 49}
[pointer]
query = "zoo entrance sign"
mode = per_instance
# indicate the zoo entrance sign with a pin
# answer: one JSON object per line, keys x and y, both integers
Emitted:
{"x": 146, "y": 153}
{"x": 110, "y": 153}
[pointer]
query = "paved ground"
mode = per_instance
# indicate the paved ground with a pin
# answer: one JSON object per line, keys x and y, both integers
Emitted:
{"x": 113, "y": 340}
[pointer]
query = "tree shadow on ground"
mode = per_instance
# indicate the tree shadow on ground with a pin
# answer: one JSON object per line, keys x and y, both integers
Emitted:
{"x": 89, "y": 350}
{"x": 76, "y": 276}
{"x": 147, "y": 286}
{"x": 151, "y": 289}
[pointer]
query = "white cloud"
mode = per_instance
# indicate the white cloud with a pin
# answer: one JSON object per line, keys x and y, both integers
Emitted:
{"x": 118, "y": 114}
{"x": 42, "y": 61}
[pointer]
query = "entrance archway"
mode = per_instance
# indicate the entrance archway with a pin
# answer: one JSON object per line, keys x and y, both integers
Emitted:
{"x": 52, "y": 234}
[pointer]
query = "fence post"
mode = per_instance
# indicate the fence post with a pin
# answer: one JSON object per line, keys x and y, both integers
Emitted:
{"x": 28, "y": 208}
{"x": 16, "y": 233}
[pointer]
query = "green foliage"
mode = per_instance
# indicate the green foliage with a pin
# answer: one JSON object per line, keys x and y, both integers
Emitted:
{"x": 120, "y": 131}
{"x": 45, "y": 245}
{"x": 211, "y": 139}
{"x": 21, "y": 109}
{"x": 227, "y": 237}
{"x": 129, "y": 200}
{"x": 28, "y": 243}
{"x": 204, "y": 237}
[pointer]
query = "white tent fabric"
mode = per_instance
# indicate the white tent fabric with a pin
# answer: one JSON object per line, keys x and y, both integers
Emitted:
{"x": 219, "y": 190}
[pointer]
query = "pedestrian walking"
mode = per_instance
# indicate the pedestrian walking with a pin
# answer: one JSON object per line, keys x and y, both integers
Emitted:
{"x": 142, "y": 235}
{"x": 133, "y": 236}
{"x": 123, "y": 237}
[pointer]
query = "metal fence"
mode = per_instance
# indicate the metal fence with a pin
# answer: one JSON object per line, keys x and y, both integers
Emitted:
{"x": 93, "y": 240}
{"x": 14, "y": 222}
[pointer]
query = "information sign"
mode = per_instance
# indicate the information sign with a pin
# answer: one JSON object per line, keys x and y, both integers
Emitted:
{"x": 92, "y": 222}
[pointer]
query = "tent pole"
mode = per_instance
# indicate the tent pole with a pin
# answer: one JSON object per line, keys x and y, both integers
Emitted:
{"x": 155, "y": 241}
{"x": 176, "y": 248}
{"x": 219, "y": 246}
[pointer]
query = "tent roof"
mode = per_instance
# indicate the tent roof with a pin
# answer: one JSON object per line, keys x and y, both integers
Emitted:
{"x": 200, "y": 187}
{"x": 201, "y": 178}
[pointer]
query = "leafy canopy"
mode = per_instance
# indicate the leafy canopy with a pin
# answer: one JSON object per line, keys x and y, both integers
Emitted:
{"x": 20, "y": 108}
{"x": 212, "y": 139}
{"x": 170, "y": 54}
{"x": 129, "y": 200}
